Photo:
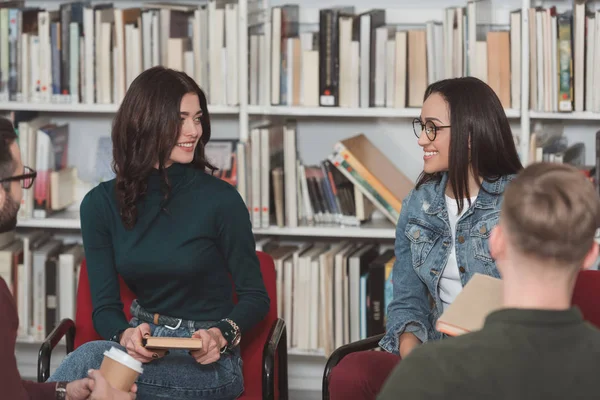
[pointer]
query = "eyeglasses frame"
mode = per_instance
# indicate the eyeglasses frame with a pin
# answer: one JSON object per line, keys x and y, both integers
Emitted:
{"x": 435, "y": 129}
{"x": 32, "y": 174}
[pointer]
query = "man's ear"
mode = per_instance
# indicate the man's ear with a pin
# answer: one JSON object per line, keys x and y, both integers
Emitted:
{"x": 497, "y": 242}
{"x": 590, "y": 257}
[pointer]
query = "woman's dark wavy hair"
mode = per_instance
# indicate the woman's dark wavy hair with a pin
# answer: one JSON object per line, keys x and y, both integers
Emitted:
{"x": 145, "y": 130}
{"x": 476, "y": 114}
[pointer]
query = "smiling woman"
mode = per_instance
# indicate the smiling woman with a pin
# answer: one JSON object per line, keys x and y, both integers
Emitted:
{"x": 442, "y": 235}
{"x": 177, "y": 236}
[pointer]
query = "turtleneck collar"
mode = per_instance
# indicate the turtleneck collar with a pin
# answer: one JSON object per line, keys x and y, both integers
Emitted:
{"x": 175, "y": 173}
{"x": 173, "y": 170}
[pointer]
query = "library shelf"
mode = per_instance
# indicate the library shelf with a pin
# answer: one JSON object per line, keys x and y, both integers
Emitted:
{"x": 582, "y": 116}
{"x": 345, "y": 112}
{"x": 59, "y": 220}
{"x": 306, "y": 352}
{"x": 370, "y": 230}
{"x": 60, "y": 107}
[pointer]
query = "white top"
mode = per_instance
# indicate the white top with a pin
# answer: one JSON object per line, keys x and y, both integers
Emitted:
{"x": 124, "y": 358}
{"x": 450, "y": 284}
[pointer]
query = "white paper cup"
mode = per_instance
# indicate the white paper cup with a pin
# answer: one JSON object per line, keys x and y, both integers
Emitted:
{"x": 120, "y": 369}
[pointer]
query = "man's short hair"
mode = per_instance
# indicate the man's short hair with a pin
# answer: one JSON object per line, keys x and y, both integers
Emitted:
{"x": 551, "y": 211}
{"x": 7, "y": 137}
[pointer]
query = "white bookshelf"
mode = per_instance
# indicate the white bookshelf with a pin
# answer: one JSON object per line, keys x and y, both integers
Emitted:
{"x": 319, "y": 128}
{"x": 371, "y": 230}
{"x": 341, "y": 112}
{"x": 59, "y": 107}
{"x": 573, "y": 116}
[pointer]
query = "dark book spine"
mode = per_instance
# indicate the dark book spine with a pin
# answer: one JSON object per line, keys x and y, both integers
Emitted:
{"x": 375, "y": 293}
{"x": 329, "y": 58}
{"x": 377, "y": 20}
{"x": 65, "y": 35}
{"x": 51, "y": 294}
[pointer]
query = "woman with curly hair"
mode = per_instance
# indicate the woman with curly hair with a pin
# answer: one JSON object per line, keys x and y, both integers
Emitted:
{"x": 177, "y": 236}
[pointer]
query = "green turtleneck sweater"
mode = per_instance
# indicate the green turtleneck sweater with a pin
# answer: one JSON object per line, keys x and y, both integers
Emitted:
{"x": 180, "y": 260}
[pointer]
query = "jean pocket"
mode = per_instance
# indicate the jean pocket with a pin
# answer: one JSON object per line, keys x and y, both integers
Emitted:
{"x": 421, "y": 240}
{"x": 480, "y": 234}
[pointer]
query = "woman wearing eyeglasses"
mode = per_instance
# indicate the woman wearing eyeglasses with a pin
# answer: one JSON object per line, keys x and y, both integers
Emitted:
{"x": 469, "y": 156}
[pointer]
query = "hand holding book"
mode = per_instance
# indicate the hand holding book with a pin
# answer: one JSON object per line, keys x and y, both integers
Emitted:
{"x": 213, "y": 341}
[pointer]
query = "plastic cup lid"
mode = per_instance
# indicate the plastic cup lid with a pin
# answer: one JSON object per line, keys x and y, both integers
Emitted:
{"x": 125, "y": 359}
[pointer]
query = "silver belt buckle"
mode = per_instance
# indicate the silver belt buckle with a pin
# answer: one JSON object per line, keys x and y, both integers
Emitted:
{"x": 174, "y": 327}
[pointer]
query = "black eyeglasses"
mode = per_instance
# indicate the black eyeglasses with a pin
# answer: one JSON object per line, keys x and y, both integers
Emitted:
{"x": 429, "y": 127}
{"x": 26, "y": 178}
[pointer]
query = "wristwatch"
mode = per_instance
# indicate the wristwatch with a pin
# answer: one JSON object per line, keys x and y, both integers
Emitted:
{"x": 231, "y": 332}
{"x": 61, "y": 390}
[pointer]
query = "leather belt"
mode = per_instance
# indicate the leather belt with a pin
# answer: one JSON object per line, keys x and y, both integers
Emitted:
{"x": 155, "y": 318}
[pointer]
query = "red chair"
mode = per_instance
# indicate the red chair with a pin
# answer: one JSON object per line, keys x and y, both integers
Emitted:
{"x": 259, "y": 346}
{"x": 585, "y": 297}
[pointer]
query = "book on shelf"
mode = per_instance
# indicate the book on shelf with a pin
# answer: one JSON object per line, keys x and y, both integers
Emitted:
{"x": 365, "y": 59}
{"x": 91, "y": 53}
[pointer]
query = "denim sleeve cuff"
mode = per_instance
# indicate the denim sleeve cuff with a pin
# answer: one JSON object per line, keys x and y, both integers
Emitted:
{"x": 390, "y": 341}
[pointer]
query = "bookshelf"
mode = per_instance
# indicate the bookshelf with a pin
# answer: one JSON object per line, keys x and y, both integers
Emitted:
{"x": 319, "y": 127}
{"x": 90, "y": 108}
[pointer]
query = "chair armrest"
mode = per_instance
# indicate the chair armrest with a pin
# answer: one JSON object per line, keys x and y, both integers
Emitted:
{"x": 369, "y": 343}
{"x": 276, "y": 345}
{"x": 66, "y": 328}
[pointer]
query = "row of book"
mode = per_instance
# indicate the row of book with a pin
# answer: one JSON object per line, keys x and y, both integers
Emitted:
{"x": 42, "y": 273}
{"x": 328, "y": 294}
{"x": 91, "y": 53}
{"x": 331, "y": 294}
{"x": 364, "y": 60}
{"x": 564, "y": 51}
{"x": 346, "y": 188}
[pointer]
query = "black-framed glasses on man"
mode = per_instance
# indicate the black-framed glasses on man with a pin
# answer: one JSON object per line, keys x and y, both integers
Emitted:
{"x": 429, "y": 127}
{"x": 26, "y": 178}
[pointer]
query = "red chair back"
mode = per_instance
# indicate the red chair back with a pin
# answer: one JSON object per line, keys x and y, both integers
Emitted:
{"x": 585, "y": 296}
{"x": 252, "y": 343}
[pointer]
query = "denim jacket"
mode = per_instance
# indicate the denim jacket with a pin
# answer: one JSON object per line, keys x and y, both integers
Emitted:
{"x": 423, "y": 241}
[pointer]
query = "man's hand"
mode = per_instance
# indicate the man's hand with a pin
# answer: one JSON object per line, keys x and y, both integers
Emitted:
{"x": 78, "y": 390}
{"x": 101, "y": 390}
{"x": 212, "y": 343}
{"x": 131, "y": 339}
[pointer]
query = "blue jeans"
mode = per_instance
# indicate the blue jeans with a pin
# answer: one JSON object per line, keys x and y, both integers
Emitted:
{"x": 177, "y": 376}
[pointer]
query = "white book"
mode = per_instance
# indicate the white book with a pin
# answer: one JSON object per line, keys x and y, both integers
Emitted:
{"x": 68, "y": 261}
{"x": 255, "y": 177}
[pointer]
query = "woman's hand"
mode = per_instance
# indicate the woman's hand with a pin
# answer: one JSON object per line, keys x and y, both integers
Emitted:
{"x": 408, "y": 342}
{"x": 131, "y": 339}
{"x": 212, "y": 343}
{"x": 101, "y": 389}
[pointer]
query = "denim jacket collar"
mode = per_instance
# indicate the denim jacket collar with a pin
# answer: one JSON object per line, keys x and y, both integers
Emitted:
{"x": 486, "y": 199}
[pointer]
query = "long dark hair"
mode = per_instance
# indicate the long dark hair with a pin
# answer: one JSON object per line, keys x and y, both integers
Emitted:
{"x": 145, "y": 130}
{"x": 476, "y": 115}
